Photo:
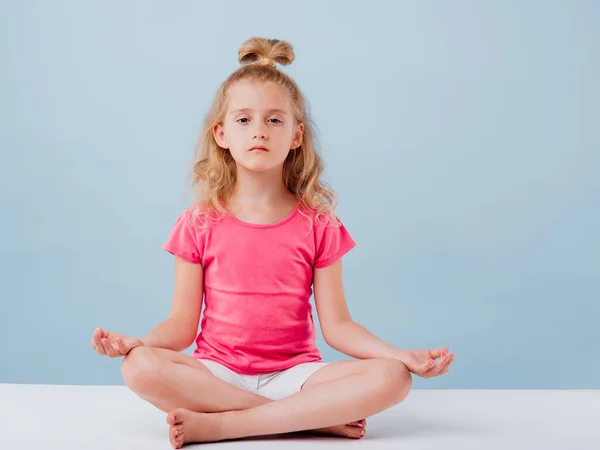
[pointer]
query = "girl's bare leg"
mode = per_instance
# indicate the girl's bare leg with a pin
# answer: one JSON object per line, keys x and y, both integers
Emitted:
{"x": 373, "y": 386}
{"x": 171, "y": 380}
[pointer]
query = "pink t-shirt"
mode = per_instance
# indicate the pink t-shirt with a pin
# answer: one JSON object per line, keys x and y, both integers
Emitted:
{"x": 257, "y": 285}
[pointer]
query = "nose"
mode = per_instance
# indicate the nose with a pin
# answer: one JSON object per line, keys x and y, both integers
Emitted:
{"x": 260, "y": 132}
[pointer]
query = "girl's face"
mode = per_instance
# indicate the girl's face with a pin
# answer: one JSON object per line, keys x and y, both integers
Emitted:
{"x": 258, "y": 115}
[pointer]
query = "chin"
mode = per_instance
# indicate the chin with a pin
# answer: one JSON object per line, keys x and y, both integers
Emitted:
{"x": 258, "y": 167}
{"x": 258, "y": 163}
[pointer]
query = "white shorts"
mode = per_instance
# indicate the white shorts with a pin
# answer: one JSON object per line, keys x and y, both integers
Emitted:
{"x": 273, "y": 385}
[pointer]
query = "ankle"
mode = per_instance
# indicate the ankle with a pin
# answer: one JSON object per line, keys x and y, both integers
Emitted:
{"x": 227, "y": 424}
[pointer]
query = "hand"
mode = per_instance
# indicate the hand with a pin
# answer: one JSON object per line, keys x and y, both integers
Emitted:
{"x": 113, "y": 344}
{"x": 422, "y": 362}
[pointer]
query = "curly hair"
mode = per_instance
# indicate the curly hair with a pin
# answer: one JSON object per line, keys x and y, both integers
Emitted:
{"x": 214, "y": 170}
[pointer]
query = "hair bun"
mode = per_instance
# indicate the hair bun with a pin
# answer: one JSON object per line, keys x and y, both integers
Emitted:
{"x": 266, "y": 52}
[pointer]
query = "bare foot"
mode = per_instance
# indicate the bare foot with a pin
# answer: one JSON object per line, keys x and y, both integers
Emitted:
{"x": 353, "y": 430}
{"x": 189, "y": 426}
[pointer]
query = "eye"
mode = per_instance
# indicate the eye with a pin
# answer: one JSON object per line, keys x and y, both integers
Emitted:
{"x": 277, "y": 120}
{"x": 241, "y": 120}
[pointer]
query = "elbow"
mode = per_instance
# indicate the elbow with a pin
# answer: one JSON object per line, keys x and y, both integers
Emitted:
{"x": 328, "y": 336}
{"x": 181, "y": 343}
{"x": 180, "y": 347}
{"x": 333, "y": 333}
{"x": 187, "y": 343}
{"x": 183, "y": 333}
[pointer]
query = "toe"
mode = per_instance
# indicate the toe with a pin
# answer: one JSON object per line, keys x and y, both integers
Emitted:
{"x": 353, "y": 432}
{"x": 361, "y": 433}
{"x": 175, "y": 417}
{"x": 359, "y": 430}
{"x": 179, "y": 442}
{"x": 176, "y": 436}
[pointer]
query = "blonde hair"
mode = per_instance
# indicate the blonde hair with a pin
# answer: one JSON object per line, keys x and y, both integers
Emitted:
{"x": 214, "y": 170}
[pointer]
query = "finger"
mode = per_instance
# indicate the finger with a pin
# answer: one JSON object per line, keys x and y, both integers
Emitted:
{"x": 110, "y": 351}
{"x": 445, "y": 370}
{"x": 448, "y": 364}
{"x": 115, "y": 348}
{"x": 432, "y": 369}
{"x": 98, "y": 344}
{"x": 425, "y": 370}
{"x": 447, "y": 361}
{"x": 439, "y": 367}
{"x": 438, "y": 352}
{"x": 122, "y": 348}
{"x": 96, "y": 334}
{"x": 105, "y": 346}
{"x": 428, "y": 365}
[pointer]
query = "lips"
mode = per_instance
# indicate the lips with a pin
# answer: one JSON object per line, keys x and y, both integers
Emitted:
{"x": 260, "y": 148}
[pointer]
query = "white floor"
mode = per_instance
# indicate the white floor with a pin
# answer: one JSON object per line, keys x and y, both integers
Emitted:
{"x": 112, "y": 417}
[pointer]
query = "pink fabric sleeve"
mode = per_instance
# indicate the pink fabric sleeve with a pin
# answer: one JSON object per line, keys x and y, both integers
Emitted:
{"x": 183, "y": 240}
{"x": 335, "y": 242}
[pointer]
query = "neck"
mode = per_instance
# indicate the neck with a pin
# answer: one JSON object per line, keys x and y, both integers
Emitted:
{"x": 260, "y": 189}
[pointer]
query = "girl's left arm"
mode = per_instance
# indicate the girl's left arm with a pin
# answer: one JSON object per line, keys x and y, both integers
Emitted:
{"x": 337, "y": 326}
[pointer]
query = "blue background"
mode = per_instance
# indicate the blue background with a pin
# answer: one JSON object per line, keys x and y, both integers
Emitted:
{"x": 461, "y": 137}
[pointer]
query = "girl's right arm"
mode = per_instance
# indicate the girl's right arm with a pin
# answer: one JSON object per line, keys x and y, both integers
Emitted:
{"x": 179, "y": 330}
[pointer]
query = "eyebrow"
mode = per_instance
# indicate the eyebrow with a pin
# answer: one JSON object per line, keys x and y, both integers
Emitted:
{"x": 270, "y": 111}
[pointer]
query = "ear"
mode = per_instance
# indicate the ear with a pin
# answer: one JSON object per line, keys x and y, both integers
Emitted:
{"x": 219, "y": 134}
{"x": 298, "y": 137}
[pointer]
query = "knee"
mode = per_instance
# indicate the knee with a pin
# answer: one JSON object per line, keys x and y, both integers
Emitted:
{"x": 140, "y": 368}
{"x": 396, "y": 379}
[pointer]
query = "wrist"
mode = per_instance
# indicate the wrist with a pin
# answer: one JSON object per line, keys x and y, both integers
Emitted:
{"x": 399, "y": 354}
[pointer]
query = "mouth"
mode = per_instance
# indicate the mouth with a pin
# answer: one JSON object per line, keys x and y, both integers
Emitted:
{"x": 259, "y": 148}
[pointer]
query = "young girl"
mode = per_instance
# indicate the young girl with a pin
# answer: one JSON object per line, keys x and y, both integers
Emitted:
{"x": 260, "y": 239}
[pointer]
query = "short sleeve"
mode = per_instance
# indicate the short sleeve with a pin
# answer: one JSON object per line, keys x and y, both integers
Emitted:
{"x": 334, "y": 241}
{"x": 184, "y": 240}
